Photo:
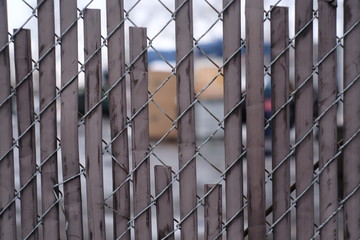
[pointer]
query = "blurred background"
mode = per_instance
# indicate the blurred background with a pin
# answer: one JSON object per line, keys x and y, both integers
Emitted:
{"x": 157, "y": 17}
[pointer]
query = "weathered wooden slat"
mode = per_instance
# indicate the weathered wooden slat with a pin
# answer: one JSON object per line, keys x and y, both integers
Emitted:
{"x": 213, "y": 211}
{"x": 7, "y": 189}
{"x": 69, "y": 119}
{"x": 186, "y": 124}
{"x": 351, "y": 119}
{"x": 327, "y": 125}
{"x": 280, "y": 123}
{"x": 255, "y": 118}
{"x": 140, "y": 132}
{"x": 25, "y": 116}
{"x": 304, "y": 119}
{"x": 233, "y": 122}
{"x": 164, "y": 203}
{"x": 47, "y": 78}
{"x": 93, "y": 125}
{"x": 118, "y": 118}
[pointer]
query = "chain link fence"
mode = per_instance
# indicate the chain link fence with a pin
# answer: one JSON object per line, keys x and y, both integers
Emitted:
{"x": 257, "y": 127}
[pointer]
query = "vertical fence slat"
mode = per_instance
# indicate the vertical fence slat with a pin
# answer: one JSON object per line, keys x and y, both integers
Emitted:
{"x": 47, "y": 78}
{"x": 140, "y": 132}
{"x": 327, "y": 126}
{"x": 255, "y": 118}
{"x": 213, "y": 211}
{"x": 164, "y": 203}
{"x": 352, "y": 119}
{"x": 93, "y": 125}
{"x": 7, "y": 218}
{"x": 186, "y": 124}
{"x": 118, "y": 117}
{"x": 233, "y": 123}
{"x": 69, "y": 119}
{"x": 304, "y": 119}
{"x": 280, "y": 123}
{"x": 25, "y": 115}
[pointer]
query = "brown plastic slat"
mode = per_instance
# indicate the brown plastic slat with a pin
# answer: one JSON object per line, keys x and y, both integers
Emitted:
{"x": 213, "y": 211}
{"x": 352, "y": 119}
{"x": 93, "y": 125}
{"x": 304, "y": 119}
{"x": 255, "y": 118}
{"x": 140, "y": 132}
{"x": 69, "y": 119}
{"x": 164, "y": 203}
{"x": 233, "y": 122}
{"x": 327, "y": 126}
{"x": 7, "y": 218}
{"x": 280, "y": 124}
{"x": 48, "y": 123}
{"x": 118, "y": 120}
{"x": 26, "y": 129}
{"x": 186, "y": 124}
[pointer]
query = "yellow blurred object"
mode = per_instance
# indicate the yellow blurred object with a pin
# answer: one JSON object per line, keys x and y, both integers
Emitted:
{"x": 203, "y": 76}
{"x": 165, "y": 98}
{"x": 161, "y": 116}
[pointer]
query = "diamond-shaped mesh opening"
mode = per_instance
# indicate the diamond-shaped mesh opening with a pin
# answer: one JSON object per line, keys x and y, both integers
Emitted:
{"x": 209, "y": 114}
{"x": 206, "y": 18}
{"x": 208, "y": 148}
{"x": 162, "y": 108}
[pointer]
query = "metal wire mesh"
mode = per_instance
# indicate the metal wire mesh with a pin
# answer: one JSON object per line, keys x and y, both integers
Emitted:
{"x": 159, "y": 17}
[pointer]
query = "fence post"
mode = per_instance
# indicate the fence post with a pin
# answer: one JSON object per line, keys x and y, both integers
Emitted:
{"x": 352, "y": 118}
{"x": 280, "y": 123}
{"x": 26, "y": 132}
{"x": 255, "y": 118}
{"x": 69, "y": 120}
{"x": 327, "y": 127}
{"x": 7, "y": 215}
{"x": 93, "y": 125}
{"x": 186, "y": 124}
{"x": 48, "y": 123}
{"x": 213, "y": 211}
{"x": 233, "y": 122}
{"x": 164, "y": 202}
{"x": 304, "y": 118}
{"x": 118, "y": 117}
{"x": 140, "y": 132}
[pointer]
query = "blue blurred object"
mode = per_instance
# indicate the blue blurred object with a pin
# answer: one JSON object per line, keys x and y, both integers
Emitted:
{"x": 212, "y": 49}
{"x": 169, "y": 56}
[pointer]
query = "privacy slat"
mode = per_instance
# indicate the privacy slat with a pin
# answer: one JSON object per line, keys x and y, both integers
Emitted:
{"x": 47, "y": 78}
{"x": 118, "y": 120}
{"x": 280, "y": 123}
{"x": 304, "y": 118}
{"x": 254, "y": 10}
{"x": 140, "y": 132}
{"x": 164, "y": 203}
{"x": 233, "y": 122}
{"x": 93, "y": 125}
{"x": 129, "y": 200}
{"x": 213, "y": 211}
{"x": 186, "y": 124}
{"x": 327, "y": 126}
{"x": 352, "y": 119}
{"x": 69, "y": 119}
{"x": 26, "y": 129}
{"x": 7, "y": 218}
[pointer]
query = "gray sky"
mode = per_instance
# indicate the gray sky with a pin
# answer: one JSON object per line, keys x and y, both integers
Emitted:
{"x": 152, "y": 15}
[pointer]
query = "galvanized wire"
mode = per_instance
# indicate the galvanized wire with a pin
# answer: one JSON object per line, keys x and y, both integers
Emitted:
{"x": 198, "y": 102}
